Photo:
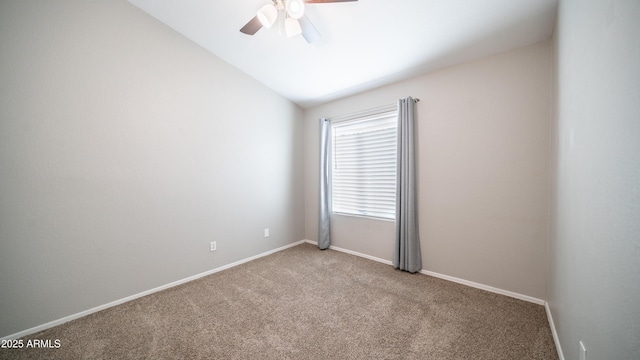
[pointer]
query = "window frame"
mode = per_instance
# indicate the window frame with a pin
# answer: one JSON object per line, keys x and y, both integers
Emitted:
{"x": 386, "y": 215}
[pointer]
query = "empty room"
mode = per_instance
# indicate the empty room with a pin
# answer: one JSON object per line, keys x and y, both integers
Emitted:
{"x": 320, "y": 179}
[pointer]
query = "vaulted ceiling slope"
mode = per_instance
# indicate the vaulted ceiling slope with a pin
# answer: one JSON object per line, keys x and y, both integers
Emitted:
{"x": 364, "y": 44}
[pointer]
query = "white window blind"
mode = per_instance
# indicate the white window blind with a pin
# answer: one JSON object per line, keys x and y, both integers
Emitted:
{"x": 363, "y": 168}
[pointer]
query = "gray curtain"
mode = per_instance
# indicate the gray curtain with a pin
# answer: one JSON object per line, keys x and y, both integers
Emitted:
{"x": 323, "y": 217}
{"x": 407, "y": 244}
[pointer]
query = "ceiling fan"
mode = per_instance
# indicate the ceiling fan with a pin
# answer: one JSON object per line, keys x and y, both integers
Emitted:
{"x": 291, "y": 15}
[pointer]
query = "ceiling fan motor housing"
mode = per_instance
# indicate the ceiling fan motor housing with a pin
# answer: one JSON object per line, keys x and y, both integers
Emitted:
{"x": 295, "y": 8}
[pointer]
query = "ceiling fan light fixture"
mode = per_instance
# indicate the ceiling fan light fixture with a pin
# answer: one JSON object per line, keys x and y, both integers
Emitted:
{"x": 292, "y": 27}
{"x": 295, "y": 8}
{"x": 289, "y": 14}
{"x": 268, "y": 15}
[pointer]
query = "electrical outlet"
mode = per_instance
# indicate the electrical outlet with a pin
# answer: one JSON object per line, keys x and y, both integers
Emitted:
{"x": 583, "y": 352}
{"x": 212, "y": 246}
{"x": 266, "y": 232}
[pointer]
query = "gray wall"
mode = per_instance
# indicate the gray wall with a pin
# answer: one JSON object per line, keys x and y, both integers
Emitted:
{"x": 594, "y": 282}
{"x": 484, "y": 170}
{"x": 124, "y": 150}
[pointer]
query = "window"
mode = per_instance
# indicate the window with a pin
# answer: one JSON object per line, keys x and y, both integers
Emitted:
{"x": 363, "y": 166}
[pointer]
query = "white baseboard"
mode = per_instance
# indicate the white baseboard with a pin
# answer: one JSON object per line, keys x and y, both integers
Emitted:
{"x": 444, "y": 277}
{"x": 197, "y": 276}
{"x": 144, "y": 293}
{"x": 353, "y": 253}
{"x": 485, "y": 287}
{"x": 556, "y": 339}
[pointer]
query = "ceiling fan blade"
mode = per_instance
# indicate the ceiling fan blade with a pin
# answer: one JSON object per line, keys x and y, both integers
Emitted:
{"x": 252, "y": 26}
{"x": 326, "y": 1}
{"x": 309, "y": 32}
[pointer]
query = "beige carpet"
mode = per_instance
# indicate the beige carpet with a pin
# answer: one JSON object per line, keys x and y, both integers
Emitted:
{"x": 304, "y": 303}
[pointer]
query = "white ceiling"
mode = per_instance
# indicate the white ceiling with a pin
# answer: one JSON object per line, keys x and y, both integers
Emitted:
{"x": 364, "y": 44}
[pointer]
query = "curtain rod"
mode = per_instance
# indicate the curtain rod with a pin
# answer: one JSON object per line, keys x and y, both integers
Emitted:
{"x": 369, "y": 112}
